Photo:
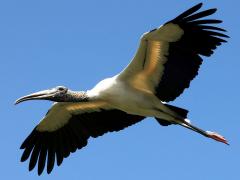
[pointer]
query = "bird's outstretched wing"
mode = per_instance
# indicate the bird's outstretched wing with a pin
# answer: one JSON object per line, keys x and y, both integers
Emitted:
{"x": 67, "y": 127}
{"x": 168, "y": 57}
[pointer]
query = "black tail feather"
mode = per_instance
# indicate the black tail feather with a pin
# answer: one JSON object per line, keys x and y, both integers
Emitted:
{"x": 182, "y": 112}
{"x": 163, "y": 122}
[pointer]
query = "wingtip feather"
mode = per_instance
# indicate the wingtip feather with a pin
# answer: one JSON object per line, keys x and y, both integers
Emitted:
{"x": 189, "y": 11}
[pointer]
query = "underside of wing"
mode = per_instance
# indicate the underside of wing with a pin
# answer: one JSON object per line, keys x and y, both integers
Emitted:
{"x": 84, "y": 120}
{"x": 199, "y": 38}
{"x": 168, "y": 57}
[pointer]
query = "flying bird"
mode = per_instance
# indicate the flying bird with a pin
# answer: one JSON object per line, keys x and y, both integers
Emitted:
{"x": 167, "y": 60}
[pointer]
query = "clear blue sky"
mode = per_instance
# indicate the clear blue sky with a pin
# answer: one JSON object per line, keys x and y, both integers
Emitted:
{"x": 76, "y": 44}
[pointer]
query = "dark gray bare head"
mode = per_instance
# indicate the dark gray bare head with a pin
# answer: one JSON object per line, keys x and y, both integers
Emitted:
{"x": 57, "y": 94}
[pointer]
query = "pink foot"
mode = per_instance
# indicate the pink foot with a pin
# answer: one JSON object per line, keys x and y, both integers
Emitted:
{"x": 217, "y": 137}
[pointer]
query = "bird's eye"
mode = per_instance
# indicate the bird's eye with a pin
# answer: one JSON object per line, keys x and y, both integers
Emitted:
{"x": 61, "y": 89}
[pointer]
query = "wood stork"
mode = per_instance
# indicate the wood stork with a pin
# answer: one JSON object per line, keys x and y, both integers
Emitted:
{"x": 167, "y": 59}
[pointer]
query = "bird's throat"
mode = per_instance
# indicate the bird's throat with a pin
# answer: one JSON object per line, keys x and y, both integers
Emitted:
{"x": 76, "y": 96}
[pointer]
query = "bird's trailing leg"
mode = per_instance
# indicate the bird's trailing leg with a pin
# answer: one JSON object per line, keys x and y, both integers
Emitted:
{"x": 176, "y": 115}
{"x": 209, "y": 134}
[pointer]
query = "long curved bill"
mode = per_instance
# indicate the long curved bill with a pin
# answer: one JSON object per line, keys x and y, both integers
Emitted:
{"x": 41, "y": 95}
